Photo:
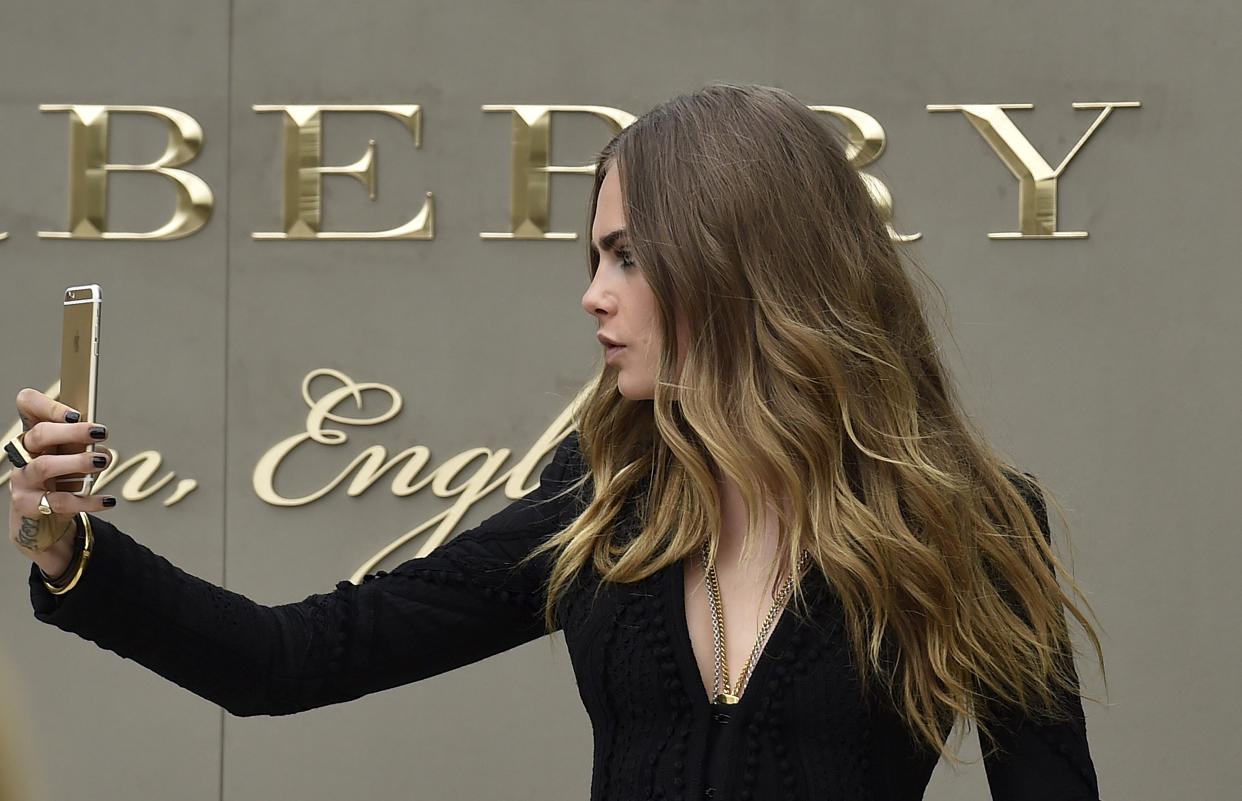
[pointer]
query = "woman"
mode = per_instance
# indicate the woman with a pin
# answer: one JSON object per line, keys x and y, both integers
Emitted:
{"x": 783, "y": 564}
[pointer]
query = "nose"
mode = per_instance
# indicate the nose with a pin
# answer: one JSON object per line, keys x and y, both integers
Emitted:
{"x": 597, "y": 300}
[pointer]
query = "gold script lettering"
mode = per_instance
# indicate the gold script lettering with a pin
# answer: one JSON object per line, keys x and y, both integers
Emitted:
{"x": 466, "y": 477}
{"x": 143, "y": 465}
{"x": 865, "y": 142}
{"x": 481, "y": 484}
{"x": 370, "y": 462}
{"x": 304, "y": 171}
{"x": 532, "y": 147}
{"x": 1037, "y": 181}
{"x": 89, "y": 169}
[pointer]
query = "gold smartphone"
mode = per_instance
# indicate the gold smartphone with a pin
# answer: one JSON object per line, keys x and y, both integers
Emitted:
{"x": 79, "y": 370}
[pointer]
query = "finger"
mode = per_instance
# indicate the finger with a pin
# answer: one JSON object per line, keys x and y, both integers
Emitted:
{"x": 66, "y": 504}
{"x": 63, "y": 504}
{"x": 34, "y": 407}
{"x": 42, "y": 469}
{"x": 43, "y": 437}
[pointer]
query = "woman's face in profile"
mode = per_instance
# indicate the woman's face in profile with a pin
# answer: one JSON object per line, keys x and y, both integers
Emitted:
{"x": 620, "y": 299}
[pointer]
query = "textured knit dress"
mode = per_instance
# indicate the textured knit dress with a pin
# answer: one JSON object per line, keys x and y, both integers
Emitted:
{"x": 804, "y": 728}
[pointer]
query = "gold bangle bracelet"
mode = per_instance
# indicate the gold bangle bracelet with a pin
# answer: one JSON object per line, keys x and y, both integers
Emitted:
{"x": 88, "y": 542}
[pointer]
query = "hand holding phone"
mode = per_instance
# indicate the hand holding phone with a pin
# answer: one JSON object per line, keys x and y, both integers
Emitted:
{"x": 45, "y": 496}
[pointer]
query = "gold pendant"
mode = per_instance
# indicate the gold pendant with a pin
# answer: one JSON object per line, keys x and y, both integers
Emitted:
{"x": 726, "y": 698}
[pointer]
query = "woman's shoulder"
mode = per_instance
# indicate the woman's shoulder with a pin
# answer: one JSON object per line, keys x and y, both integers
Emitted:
{"x": 569, "y": 458}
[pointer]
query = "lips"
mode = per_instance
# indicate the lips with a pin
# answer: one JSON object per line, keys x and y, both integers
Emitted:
{"x": 611, "y": 348}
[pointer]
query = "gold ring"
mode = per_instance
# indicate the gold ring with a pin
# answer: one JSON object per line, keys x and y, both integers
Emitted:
{"x": 44, "y": 507}
{"x": 19, "y": 457}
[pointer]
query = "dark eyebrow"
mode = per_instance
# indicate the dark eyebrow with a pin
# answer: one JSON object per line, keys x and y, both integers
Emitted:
{"x": 608, "y": 241}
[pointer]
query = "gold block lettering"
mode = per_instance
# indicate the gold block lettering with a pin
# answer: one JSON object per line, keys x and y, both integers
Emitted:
{"x": 1037, "y": 181}
{"x": 89, "y": 170}
{"x": 532, "y": 145}
{"x": 304, "y": 171}
{"x": 865, "y": 141}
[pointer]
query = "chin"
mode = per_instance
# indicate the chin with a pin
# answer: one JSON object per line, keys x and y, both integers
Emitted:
{"x": 635, "y": 390}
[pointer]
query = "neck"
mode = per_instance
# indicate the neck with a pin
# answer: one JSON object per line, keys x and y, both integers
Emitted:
{"x": 735, "y": 524}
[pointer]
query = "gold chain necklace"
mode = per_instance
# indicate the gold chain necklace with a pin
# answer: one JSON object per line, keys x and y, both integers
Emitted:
{"x": 722, "y": 691}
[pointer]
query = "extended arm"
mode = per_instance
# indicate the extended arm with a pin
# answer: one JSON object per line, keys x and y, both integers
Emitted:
{"x": 465, "y": 601}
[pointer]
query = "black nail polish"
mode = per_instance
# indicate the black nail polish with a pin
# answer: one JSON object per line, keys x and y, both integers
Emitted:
{"x": 99, "y": 461}
{"x": 98, "y": 432}
{"x": 108, "y": 500}
{"x": 72, "y": 417}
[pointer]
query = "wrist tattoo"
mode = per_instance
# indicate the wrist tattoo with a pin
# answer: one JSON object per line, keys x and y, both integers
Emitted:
{"x": 35, "y": 533}
{"x": 28, "y": 534}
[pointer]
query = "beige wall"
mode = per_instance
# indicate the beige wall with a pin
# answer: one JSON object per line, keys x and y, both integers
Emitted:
{"x": 1106, "y": 365}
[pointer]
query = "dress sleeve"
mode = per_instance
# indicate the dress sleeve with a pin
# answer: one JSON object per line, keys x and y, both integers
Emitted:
{"x": 471, "y": 598}
{"x": 1030, "y": 760}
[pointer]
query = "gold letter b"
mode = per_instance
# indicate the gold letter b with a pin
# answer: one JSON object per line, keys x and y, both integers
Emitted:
{"x": 89, "y": 168}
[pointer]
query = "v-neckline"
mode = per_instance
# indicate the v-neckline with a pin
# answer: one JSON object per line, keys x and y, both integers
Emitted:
{"x": 688, "y": 663}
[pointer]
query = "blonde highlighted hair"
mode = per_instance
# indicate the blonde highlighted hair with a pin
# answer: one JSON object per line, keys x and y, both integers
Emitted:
{"x": 810, "y": 378}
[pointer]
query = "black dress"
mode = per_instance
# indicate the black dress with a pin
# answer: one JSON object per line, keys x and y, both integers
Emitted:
{"x": 804, "y": 729}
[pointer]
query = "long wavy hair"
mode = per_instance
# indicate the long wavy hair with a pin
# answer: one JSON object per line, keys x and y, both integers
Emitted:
{"x": 810, "y": 378}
